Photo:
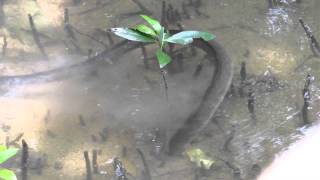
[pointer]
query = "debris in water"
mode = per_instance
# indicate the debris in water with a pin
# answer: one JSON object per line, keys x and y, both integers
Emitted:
{"x": 197, "y": 156}
{"x": 119, "y": 170}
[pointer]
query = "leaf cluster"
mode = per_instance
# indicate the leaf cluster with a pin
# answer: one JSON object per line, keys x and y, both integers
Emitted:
{"x": 158, "y": 34}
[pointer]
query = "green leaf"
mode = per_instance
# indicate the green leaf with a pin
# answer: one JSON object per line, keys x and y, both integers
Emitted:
{"x": 131, "y": 34}
{"x": 2, "y": 147}
{"x": 186, "y": 37}
{"x": 7, "y": 154}
{"x": 145, "y": 29}
{"x": 154, "y": 23}
{"x": 6, "y": 174}
{"x": 163, "y": 58}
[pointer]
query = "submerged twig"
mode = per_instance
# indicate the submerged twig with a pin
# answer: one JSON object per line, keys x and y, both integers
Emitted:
{"x": 146, "y": 175}
{"x": 198, "y": 70}
{"x": 314, "y": 45}
{"x": 88, "y": 166}
{"x": 142, "y": 7}
{"x": 15, "y": 141}
{"x": 4, "y": 46}
{"x": 89, "y": 36}
{"x": 226, "y": 145}
{"x": 304, "y": 62}
{"x": 251, "y": 102}
{"x": 94, "y": 161}
{"x": 163, "y": 15}
{"x": 185, "y": 11}
{"x": 130, "y": 14}
{"x": 306, "y": 100}
{"x": 81, "y": 121}
{"x": 243, "y": 72}
{"x": 67, "y": 25}
{"x": 235, "y": 170}
{"x": 243, "y": 77}
{"x": 24, "y": 160}
{"x": 180, "y": 59}
{"x": 107, "y": 34}
{"x": 36, "y": 37}
{"x": 95, "y": 8}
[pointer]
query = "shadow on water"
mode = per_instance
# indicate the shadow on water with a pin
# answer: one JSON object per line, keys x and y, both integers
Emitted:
{"x": 117, "y": 104}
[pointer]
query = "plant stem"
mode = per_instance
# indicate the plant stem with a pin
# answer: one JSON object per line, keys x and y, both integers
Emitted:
{"x": 145, "y": 58}
{"x": 165, "y": 84}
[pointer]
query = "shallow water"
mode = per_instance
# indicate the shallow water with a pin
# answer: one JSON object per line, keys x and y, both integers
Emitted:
{"x": 120, "y": 95}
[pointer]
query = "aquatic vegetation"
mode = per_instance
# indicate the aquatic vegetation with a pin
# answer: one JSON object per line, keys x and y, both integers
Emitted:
{"x": 158, "y": 34}
{"x": 5, "y": 154}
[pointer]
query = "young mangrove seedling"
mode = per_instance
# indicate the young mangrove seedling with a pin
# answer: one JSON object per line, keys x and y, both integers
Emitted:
{"x": 158, "y": 34}
{"x": 5, "y": 154}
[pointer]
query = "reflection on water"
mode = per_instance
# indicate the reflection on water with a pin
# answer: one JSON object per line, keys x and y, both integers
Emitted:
{"x": 115, "y": 105}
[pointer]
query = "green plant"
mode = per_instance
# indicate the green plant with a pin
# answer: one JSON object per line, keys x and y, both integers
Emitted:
{"x": 5, "y": 154}
{"x": 158, "y": 34}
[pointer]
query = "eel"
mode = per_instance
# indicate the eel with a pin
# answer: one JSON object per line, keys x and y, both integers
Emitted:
{"x": 214, "y": 95}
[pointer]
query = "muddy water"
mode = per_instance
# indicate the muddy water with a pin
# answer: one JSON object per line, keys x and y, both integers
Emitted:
{"x": 63, "y": 118}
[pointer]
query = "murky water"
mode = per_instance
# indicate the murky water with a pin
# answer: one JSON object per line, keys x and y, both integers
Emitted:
{"x": 114, "y": 106}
